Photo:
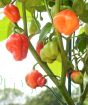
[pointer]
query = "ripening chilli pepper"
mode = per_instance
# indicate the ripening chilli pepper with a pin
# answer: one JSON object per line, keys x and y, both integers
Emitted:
{"x": 18, "y": 45}
{"x": 77, "y": 77}
{"x": 66, "y": 22}
{"x": 41, "y": 81}
{"x": 35, "y": 79}
{"x": 12, "y": 12}
{"x": 39, "y": 46}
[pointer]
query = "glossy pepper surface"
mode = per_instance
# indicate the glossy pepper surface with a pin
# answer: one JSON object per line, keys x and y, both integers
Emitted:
{"x": 41, "y": 81}
{"x": 66, "y": 22}
{"x": 18, "y": 45}
{"x": 12, "y": 12}
{"x": 32, "y": 77}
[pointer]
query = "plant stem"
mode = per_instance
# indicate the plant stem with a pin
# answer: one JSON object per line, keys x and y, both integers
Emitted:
{"x": 13, "y": 1}
{"x": 24, "y": 18}
{"x": 64, "y": 62}
{"x": 44, "y": 65}
{"x": 52, "y": 76}
{"x": 57, "y": 97}
{"x": 63, "y": 55}
{"x": 57, "y": 5}
{"x": 83, "y": 96}
{"x": 57, "y": 9}
{"x": 46, "y": 5}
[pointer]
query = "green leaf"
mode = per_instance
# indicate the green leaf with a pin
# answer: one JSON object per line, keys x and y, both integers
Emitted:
{"x": 35, "y": 4}
{"x": 45, "y": 30}
{"x": 51, "y": 3}
{"x": 84, "y": 16}
{"x": 81, "y": 30}
{"x": 78, "y": 6}
{"x": 19, "y": 5}
{"x": 81, "y": 9}
{"x": 32, "y": 5}
{"x": 5, "y": 28}
{"x": 56, "y": 66}
{"x": 86, "y": 28}
{"x": 34, "y": 26}
{"x": 41, "y": 8}
{"x": 82, "y": 41}
{"x": 4, "y": 2}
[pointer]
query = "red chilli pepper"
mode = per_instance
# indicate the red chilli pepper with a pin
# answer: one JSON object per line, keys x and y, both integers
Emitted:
{"x": 31, "y": 78}
{"x": 18, "y": 45}
{"x": 41, "y": 81}
{"x": 39, "y": 46}
{"x": 12, "y": 12}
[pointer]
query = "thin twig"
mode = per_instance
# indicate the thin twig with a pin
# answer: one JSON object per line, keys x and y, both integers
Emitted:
{"x": 13, "y": 1}
{"x": 57, "y": 96}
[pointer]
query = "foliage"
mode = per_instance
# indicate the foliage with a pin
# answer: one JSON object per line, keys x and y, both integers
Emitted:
{"x": 47, "y": 99}
{"x": 10, "y": 96}
{"x": 65, "y": 39}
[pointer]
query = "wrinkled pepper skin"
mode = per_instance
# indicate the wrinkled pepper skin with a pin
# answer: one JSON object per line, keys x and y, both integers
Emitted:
{"x": 41, "y": 81}
{"x": 66, "y": 22}
{"x": 49, "y": 52}
{"x": 18, "y": 45}
{"x": 32, "y": 77}
{"x": 39, "y": 46}
{"x": 12, "y": 12}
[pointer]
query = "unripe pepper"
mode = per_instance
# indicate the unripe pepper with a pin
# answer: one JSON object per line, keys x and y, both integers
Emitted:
{"x": 12, "y": 12}
{"x": 18, "y": 45}
{"x": 49, "y": 52}
{"x": 77, "y": 77}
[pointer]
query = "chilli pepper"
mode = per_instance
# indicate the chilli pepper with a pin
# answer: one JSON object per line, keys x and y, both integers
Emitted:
{"x": 77, "y": 77}
{"x": 66, "y": 22}
{"x": 49, "y": 52}
{"x": 18, "y": 44}
{"x": 12, "y": 12}
{"x": 31, "y": 78}
{"x": 41, "y": 81}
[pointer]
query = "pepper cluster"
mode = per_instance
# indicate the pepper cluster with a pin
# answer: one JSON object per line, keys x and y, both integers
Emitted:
{"x": 50, "y": 51}
{"x": 17, "y": 43}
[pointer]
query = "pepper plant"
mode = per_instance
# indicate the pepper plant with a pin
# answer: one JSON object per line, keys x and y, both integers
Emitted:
{"x": 68, "y": 23}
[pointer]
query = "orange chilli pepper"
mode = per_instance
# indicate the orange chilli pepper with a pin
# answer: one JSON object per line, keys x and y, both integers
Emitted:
{"x": 66, "y": 22}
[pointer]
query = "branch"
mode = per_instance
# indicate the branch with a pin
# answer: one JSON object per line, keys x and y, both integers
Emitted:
{"x": 83, "y": 96}
{"x": 24, "y": 18}
{"x": 35, "y": 55}
{"x": 44, "y": 65}
{"x": 46, "y": 5}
